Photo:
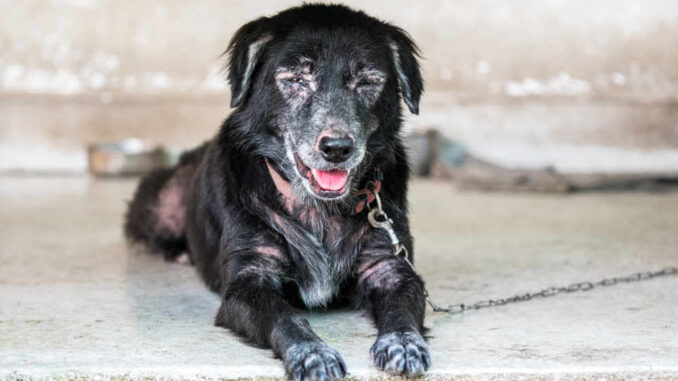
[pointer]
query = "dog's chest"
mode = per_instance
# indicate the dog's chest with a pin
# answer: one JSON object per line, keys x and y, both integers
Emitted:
{"x": 326, "y": 258}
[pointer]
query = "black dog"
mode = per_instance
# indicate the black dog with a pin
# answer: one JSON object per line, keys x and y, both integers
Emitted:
{"x": 273, "y": 210}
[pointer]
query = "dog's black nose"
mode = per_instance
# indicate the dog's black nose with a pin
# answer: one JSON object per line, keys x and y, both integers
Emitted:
{"x": 336, "y": 150}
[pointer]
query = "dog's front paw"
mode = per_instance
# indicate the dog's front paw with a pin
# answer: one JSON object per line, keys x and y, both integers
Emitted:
{"x": 313, "y": 361}
{"x": 403, "y": 353}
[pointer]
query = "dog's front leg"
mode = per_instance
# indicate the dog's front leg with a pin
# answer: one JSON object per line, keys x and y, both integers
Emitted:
{"x": 253, "y": 308}
{"x": 394, "y": 295}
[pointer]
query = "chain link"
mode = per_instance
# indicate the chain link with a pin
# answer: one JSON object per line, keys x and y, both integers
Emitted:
{"x": 551, "y": 291}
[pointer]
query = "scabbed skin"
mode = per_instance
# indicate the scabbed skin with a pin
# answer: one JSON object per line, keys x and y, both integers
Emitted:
{"x": 295, "y": 76}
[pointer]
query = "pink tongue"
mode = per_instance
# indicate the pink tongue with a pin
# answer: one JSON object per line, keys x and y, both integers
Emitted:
{"x": 330, "y": 180}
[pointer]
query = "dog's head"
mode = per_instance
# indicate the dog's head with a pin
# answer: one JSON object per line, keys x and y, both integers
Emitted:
{"x": 317, "y": 91}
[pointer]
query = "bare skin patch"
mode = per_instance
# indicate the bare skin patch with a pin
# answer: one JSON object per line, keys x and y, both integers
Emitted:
{"x": 269, "y": 251}
{"x": 297, "y": 81}
{"x": 380, "y": 274}
{"x": 283, "y": 187}
{"x": 171, "y": 210}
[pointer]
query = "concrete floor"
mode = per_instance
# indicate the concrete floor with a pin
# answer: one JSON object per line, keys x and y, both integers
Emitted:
{"x": 76, "y": 303}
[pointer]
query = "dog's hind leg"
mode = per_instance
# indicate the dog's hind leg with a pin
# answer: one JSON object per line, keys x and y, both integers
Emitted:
{"x": 156, "y": 216}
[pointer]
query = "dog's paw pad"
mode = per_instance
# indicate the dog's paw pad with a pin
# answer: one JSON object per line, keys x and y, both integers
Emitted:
{"x": 314, "y": 361}
{"x": 401, "y": 353}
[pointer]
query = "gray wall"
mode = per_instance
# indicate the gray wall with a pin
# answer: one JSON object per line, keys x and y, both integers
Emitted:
{"x": 582, "y": 85}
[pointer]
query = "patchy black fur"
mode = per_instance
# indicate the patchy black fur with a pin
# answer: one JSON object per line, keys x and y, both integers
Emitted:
{"x": 307, "y": 70}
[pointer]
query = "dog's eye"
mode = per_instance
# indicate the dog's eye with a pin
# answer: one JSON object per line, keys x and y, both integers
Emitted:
{"x": 368, "y": 85}
{"x": 294, "y": 84}
{"x": 295, "y": 80}
{"x": 368, "y": 82}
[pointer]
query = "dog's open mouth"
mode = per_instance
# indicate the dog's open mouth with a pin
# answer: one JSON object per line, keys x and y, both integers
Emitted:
{"x": 325, "y": 183}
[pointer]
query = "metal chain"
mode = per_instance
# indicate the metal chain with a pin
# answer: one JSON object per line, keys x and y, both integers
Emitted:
{"x": 551, "y": 291}
{"x": 380, "y": 220}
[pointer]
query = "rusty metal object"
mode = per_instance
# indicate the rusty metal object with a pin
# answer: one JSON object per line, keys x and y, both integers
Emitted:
{"x": 125, "y": 158}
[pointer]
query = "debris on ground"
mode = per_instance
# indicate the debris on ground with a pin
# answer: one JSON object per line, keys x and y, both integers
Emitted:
{"x": 440, "y": 157}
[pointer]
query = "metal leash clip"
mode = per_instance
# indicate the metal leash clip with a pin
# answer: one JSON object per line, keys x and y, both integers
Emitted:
{"x": 379, "y": 219}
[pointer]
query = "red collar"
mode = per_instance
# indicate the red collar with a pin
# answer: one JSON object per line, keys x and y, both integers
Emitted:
{"x": 366, "y": 195}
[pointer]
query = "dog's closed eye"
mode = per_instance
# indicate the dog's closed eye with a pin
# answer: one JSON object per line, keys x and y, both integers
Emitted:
{"x": 368, "y": 84}
{"x": 366, "y": 81}
{"x": 295, "y": 82}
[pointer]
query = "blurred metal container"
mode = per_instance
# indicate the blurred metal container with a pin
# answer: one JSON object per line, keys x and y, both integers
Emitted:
{"x": 126, "y": 157}
{"x": 427, "y": 148}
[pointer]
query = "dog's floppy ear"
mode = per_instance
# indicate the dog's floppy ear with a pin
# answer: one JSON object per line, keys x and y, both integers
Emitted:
{"x": 244, "y": 51}
{"x": 405, "y": 54}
